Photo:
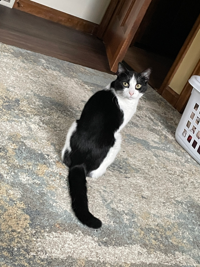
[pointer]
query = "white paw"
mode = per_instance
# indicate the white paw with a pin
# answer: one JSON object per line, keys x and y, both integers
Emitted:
{"x": 96, "y": 174}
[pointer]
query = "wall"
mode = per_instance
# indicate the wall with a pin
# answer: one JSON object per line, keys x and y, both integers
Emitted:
{"x": 8, "y": 4}
{"x": 187, "y": 65}
{"x": 91, "y": 10}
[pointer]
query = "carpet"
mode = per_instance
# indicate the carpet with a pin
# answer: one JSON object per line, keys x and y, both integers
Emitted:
{"x": 148, "y": 200}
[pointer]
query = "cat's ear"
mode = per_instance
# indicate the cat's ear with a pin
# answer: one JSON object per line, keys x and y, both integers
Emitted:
{"x": 121, "y": 68}
{"x": 146, "y": 74}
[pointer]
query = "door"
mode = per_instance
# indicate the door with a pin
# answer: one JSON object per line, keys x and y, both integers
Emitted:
{"x": 122, "y": 28}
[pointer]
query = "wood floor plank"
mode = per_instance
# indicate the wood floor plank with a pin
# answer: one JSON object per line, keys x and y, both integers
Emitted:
{"x": 39, "y": 35}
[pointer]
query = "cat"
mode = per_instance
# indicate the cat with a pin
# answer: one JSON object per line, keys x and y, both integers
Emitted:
{"x": 94, "y": 140}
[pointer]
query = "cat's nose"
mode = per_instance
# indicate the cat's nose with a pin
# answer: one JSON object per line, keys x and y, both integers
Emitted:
{"x": 131, "y": 93}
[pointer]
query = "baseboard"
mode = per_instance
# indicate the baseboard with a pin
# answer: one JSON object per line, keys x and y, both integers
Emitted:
{"x": 170, "y": 95}
{"x": 56, "y": 16}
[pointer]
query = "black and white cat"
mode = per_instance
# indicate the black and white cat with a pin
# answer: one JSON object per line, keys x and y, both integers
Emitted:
{"x": 94, "y": 140}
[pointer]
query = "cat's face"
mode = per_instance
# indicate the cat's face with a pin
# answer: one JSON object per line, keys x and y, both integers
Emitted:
{"x": 129, "y": 84}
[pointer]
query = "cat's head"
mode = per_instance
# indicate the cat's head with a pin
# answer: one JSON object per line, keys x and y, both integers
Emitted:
{"x": 130, "y": 84}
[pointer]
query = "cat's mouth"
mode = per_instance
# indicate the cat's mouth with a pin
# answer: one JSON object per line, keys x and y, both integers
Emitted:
{"x": 131, "y": 96}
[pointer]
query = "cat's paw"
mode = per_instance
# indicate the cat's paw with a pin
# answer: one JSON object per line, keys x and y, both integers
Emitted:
{"x": 96, "y": 174}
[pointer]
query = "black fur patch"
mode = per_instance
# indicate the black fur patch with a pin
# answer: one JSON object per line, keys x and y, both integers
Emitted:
{"x": 100, "y": 119}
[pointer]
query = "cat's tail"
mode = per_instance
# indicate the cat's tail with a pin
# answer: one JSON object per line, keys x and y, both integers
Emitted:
{"x": 78, "y": 191}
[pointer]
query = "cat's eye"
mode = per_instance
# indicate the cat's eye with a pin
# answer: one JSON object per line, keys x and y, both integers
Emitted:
{"x": 138, "y": 86}
{"x": 125, "y": 84}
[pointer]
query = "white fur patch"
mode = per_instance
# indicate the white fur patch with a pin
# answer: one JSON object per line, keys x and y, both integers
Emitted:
{"x": 67, "y": 147}
{"x": 108, "y": 86}
{"x": 128, "y": 107}
{"x": 132, "y": 91}
{"x": 109, "y": 158}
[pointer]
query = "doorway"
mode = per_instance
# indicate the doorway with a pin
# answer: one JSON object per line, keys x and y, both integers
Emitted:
{"x": 161, "y": 34}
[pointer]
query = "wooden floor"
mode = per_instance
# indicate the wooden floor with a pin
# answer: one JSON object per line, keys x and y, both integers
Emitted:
{"x": 39, "y": 35}
{"x": 29, "y": 32}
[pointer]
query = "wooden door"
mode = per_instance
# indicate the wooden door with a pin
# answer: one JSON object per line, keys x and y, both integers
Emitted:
{"x": 181, "y": 100}
{"x": 122, "y": 28}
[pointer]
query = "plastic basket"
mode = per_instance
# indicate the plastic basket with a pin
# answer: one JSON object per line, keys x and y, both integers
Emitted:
{"x": 188, "y": 130}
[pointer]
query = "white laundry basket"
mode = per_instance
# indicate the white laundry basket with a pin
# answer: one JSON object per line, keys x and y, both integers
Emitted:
{"x": 188, "y": 130}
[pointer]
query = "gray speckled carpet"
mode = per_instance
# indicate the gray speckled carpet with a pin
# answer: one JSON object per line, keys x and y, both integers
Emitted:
{"x": 148, "y": 201}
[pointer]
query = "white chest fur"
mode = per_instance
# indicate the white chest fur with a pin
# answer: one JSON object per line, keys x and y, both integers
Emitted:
{"x": 128, "y": 107}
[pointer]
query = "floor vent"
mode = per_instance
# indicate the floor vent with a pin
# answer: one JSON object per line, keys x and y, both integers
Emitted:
{"x": 8, "y": 3}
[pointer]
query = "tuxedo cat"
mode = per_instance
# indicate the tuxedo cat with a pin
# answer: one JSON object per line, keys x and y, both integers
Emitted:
{"x": 94, "y": 140}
